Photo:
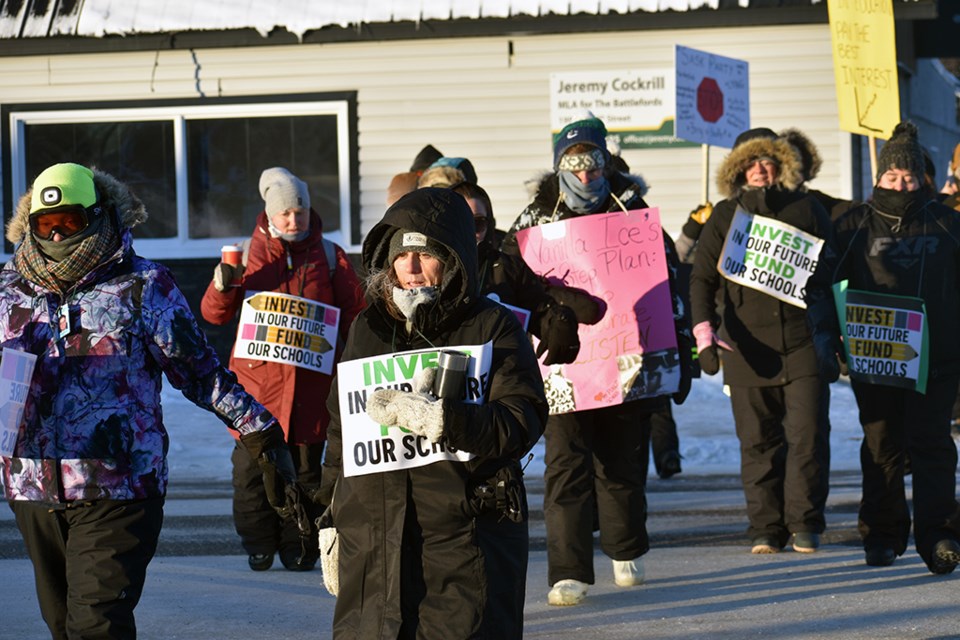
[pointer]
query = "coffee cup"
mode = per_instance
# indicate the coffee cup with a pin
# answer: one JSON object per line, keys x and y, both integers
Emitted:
{"x": 231, "y": 254}
{"x": 451, "y": 375}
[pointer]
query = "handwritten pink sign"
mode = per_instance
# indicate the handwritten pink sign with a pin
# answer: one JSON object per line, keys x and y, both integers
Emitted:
{"x": 631, "y": 353}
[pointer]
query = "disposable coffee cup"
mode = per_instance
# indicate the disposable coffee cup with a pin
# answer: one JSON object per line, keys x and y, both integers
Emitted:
{"x": 451, "y": 375}
{"x": 231, "y": 254}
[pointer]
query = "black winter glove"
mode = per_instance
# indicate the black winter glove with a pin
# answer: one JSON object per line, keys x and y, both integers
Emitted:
{"x": 269, "y": 449}
{"x": 709, "y": 360}
{"x": 558, "y": 335}
{"x": 225, "y": 275}
{"x": 587, "y": 308}
{"x": 831, "y": 360}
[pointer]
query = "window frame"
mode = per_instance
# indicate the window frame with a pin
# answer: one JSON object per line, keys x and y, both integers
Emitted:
{"x": 16, "y": 118}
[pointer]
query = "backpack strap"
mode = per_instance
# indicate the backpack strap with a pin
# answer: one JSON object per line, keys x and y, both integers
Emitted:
{"x": 330, "y": 249}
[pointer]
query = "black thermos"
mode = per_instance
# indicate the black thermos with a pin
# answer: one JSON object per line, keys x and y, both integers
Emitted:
{"x": 451, "y": 375}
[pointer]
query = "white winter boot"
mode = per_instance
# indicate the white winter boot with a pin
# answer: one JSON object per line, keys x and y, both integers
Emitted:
{"x": 628, "y": 573}
{"x": 567, "y": 593}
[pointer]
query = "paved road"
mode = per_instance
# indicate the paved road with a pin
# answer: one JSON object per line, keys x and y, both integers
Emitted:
{"x": 701, "y": 581}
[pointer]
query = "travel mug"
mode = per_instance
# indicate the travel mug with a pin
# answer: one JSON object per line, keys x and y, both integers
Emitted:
{"x": 451, "y": 375}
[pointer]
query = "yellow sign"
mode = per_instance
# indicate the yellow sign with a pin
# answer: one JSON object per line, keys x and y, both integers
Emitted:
{"x": 865, "y": 65}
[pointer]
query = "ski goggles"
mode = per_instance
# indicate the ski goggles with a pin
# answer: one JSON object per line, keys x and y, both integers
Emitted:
{"x": 66, "y": 221}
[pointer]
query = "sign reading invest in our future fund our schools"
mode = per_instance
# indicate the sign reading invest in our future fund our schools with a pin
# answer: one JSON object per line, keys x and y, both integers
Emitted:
{"x": 885, "y": 337}
{"x": 770, "y": 256}
{"x": 631, "y": 353}
{"x": 372, "y": 448}
{"x": 16, "y": 370}
{"x": 278, "y": 327}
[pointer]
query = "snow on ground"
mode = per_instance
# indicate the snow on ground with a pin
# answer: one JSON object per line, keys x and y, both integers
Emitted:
{"x": 200, "y": 444}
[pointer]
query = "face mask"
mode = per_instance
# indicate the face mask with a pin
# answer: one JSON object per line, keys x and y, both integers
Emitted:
{"x": 289, "y": 237}
{"x": 407, "y": 300}
{"x": 583, "y": 198}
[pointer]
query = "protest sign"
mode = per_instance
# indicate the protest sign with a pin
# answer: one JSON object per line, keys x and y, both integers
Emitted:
{"x": 885, "y": 337}
{"x": 631, "y": 352}
{"x": 372, "y": 448}
{"x": 16, "y": 370}
{"x": 713, "y": 97}
{"x": 769, "y": 256}
{"x": 278, "y": 327}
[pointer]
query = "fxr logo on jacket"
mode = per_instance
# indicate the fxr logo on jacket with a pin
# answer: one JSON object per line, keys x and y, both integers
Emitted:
{"x": 904, "y": 251}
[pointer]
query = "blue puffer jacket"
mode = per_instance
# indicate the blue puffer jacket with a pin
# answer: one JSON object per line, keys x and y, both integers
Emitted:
{"x": 93, "y": 424}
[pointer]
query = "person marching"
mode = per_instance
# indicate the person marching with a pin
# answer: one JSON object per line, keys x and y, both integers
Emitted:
{"x": 597, "y": 459}
{"x": 411, "y": 541}
{"x": 287, "y": 253}
{"x": 902, "y": 245}
{"x": 88, "y": 475}
{"x": 769, "y": 359}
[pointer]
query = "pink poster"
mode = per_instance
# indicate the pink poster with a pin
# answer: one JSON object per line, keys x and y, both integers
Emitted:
{"x": 631, "y": 353}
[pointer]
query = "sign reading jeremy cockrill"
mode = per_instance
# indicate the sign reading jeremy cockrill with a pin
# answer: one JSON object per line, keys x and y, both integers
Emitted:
{"x": 884, "y": 336}
{"x": 770, "y": 256}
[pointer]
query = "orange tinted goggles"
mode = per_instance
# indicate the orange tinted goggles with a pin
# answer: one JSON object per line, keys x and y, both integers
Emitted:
{"x": 66, "y": 222}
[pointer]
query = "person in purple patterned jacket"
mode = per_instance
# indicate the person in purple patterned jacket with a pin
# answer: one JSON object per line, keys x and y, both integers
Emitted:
{"x": 88, "y": 472}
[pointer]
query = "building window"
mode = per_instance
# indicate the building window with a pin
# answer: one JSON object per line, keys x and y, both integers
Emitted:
{"x": 197, "y": 166}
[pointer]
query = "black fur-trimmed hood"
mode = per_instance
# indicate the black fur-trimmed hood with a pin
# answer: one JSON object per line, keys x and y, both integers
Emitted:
{"x": 730, "y": 175}
{"x": 114, "y": 195}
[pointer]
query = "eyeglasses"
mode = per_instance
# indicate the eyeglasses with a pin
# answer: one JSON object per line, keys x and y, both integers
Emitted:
{"x": 66, "y": 221}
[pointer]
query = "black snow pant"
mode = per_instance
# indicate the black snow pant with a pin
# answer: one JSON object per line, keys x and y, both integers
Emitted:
{"x": 505, "y": 547}
{"x": 784, "y": 456}
{"x": 898, "y": 422}
{"x": 663, "y": 433}
{"x": 90, "y": 562}
{"x": 596, "y": 463}
{"x": 260, "y": 528}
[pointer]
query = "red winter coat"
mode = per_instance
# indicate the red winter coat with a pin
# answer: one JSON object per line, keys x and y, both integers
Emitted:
{"x": 296, "y": 396}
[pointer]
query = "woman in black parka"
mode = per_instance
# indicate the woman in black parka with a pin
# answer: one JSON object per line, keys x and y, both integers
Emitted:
{"x": 410, "y": 561}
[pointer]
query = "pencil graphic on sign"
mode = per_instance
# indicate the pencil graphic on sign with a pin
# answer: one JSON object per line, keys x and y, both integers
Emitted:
{"x": 881, "y": 349}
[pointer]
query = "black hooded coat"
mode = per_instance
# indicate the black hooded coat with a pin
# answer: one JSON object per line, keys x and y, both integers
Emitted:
{"x": 410, "y": 562}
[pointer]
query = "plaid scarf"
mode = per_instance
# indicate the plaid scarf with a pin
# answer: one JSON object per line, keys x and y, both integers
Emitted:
{"x": 58, "y": 276}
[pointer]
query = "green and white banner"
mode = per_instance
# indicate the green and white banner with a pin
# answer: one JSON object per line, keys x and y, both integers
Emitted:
{"x": 885, "y": 337}
{"x": 770, "y": 256}
{"x": 372, "y": 448}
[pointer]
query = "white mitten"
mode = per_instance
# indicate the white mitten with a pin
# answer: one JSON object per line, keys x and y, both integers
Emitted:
{"x": 423, "y": 381}
{"x": 330, "y": 559}
{"x": 418, "y": 413}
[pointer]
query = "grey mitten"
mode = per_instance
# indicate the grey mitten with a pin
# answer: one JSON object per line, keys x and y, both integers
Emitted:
{"x": 226, "y": 276}
{"x": 329, "y": 545}
{"x": 418, "y": 413}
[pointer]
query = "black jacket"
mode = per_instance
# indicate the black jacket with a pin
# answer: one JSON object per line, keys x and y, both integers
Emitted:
{"x": 770, "y": 339}
{"x": 905, "y": 244}
{"x": 442, "y": 573}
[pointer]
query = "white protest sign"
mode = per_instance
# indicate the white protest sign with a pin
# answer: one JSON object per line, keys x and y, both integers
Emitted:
{"x": 278, "y": 327}
{"x": 713, "y": 97}
{"x": 16, "y": 370}
{"x": 770, "y": 256}
{"x": 372, "y": 448}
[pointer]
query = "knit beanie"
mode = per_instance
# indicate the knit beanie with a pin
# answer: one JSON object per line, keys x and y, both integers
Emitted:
{"x": 590, "y": 131}
{"x": 461, "y": 164}
{"x": 281, "y": 190}
{"x": 404, "y": 240}
{"x": 63, "y": 185}
{"x": 902, "y": 151}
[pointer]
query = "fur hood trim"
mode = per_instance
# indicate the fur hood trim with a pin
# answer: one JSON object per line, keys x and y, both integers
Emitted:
{"x": 730, "y": 175}
{"x": 114, "y": 196}
{"x": 809, "y": 155}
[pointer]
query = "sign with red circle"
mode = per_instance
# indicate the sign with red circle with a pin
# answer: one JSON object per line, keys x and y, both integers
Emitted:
{"x": 709, "y": 100}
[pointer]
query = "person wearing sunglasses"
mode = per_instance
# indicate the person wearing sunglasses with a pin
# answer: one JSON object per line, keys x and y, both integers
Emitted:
{"x": 87, "y": 474}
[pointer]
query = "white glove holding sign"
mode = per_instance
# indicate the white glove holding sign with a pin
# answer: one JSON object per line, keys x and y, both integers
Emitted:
{"x": 417, "y": 411}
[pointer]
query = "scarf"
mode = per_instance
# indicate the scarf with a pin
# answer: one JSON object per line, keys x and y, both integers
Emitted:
{"x": 583, "y": 198}
{"x": 58, "y": 275}
{"x": 407, "y": 300}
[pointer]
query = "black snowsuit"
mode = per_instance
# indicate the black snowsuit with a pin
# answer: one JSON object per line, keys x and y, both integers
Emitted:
{"x": 597, "y": 460}
{"x": 413, "y": 548}
{"x": 906, "y": 243}
{"x": 778, "y": 398}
